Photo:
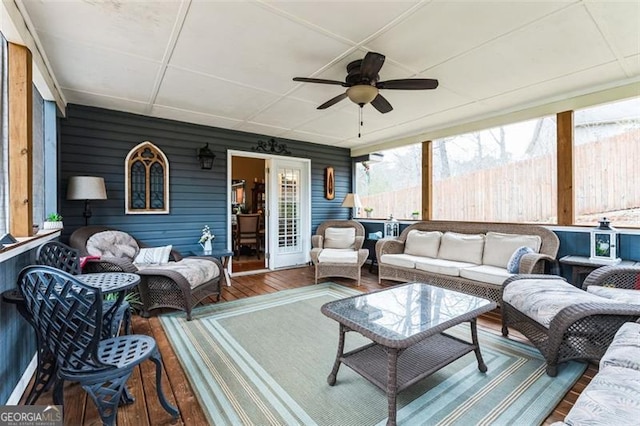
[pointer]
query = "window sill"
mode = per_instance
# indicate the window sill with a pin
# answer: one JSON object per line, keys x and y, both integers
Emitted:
{"x": 27, "y": 243}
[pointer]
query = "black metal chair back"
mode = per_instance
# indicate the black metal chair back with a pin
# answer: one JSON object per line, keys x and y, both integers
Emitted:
{"x": 60, "y": 256}
{"x": 67, "y": 314}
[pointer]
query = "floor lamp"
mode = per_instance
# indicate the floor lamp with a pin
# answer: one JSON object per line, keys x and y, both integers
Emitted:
{"x": 86, "y": 188}
{"x": 353, "y": 202}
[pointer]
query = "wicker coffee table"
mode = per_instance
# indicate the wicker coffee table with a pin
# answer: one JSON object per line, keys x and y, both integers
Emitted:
{"x": 406, "y": 325}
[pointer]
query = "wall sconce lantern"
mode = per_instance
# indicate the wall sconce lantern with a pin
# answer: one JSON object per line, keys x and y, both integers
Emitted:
{"x": 391, "y": 227}
{"x": 206, "y": 157}
{"x": 604, "y": 243}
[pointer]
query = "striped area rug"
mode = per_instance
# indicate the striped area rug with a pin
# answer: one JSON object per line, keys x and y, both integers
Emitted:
{"x": 264, "y": 360}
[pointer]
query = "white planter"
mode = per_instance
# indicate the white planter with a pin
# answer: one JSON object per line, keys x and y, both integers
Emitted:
{"x": 52, "y": 225}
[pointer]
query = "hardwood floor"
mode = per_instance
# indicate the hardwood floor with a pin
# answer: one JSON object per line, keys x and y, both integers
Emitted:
{"x": 146, "y": 410}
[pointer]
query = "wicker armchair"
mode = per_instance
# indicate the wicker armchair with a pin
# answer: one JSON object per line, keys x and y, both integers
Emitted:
{"x": 565, "y": 322}
{"x": 162, "y": 286}
{"x": 337, "y": 249}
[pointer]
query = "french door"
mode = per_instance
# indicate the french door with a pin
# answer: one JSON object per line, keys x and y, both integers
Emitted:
{"x": 289, "y": 202}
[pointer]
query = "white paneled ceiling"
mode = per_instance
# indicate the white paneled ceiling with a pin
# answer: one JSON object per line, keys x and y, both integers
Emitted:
{"x": 230, "y": 64}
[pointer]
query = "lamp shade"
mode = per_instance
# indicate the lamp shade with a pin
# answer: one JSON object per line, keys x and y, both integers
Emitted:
{"x": 86, "y": 188}
{"x": 352, "y": 201}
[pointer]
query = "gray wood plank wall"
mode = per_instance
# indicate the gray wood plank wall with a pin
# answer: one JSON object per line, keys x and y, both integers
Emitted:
{"x": 17, "y": 338}
{"x": 95, "y": 142}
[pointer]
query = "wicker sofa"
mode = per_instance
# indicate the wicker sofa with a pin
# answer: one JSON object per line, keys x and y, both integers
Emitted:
{"x": 436, "y": 252}
{"x": 180, "y": 283}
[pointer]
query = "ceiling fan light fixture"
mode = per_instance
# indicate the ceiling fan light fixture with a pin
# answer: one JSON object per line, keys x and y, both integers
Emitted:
{"x": 362, "y": 93}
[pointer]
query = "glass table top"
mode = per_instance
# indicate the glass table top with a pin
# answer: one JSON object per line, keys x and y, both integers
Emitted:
{"x": 406, "y": 310}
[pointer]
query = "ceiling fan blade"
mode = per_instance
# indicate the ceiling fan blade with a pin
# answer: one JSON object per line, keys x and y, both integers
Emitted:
{"x": 371, "y": 65}
{"x": 408, "y": 84}
{"x": 333, "y": 101}
{"x": 320, "y": 80}
{"x": 381, "y": 104}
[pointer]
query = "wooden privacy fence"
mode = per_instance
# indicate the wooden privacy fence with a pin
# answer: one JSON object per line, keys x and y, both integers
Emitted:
{"x": 607, "y": 178}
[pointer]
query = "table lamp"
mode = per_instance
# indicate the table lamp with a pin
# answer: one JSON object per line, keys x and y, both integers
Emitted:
{"x": 353, "y": 202}
{"x": 86, "y": 188}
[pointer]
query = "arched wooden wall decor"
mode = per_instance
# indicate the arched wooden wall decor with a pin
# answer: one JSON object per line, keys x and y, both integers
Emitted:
{"x": 329, "y": 184}
{"x": 146, "y": 170}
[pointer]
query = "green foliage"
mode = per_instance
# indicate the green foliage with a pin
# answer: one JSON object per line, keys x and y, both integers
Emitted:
{"x": 368, "y": 209}
{"x": 54, "y": 217}
{"x": 133, "y": 297}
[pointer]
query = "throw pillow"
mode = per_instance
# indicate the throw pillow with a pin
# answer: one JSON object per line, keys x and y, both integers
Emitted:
{"x": 499, "y": 247}
{"x": 513, "y": 266}
{"x": 462, "y": 247}
{"x": 153, "y": 256}
{"x": 112, "y": 244}
{"x": 339, "y": 238}
{"x": 423, "y": 243}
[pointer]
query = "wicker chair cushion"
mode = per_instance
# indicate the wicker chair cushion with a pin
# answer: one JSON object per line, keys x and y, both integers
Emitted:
{"x": 624, "y": 351}
{"x": 338, "y": 256}
{"x": 153, "y": 256}
{"x": 462, "y": 247}
{"x": 541, "y": 300}
{"x": 611, "y": 398}
{"x": 441, "y": 266}
{"x": 624, "y": 295}
{"x": 499, "y": 247}
{"x": 339, "y": 238}
{"x": 423, "y": 243}
{"x": 113, "y": 244}
{"x": 486, "y": 274}
{"x": 196, "y": 271}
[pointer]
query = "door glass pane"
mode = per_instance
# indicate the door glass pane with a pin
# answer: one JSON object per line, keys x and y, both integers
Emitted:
{"x": 288, "y": 210}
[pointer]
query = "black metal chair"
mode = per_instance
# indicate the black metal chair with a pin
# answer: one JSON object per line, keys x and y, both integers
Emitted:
{"x": 60, "y": 256}
{"x": 68, "y": 317}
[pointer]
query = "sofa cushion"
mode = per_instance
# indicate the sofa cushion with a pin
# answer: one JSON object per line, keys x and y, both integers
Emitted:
{"x": 402, "y": 260}
{"x": 513, "y": 265}
{"x": 486, "y": 274}
{"x": 112, "y": 244}
{"x": 423, "y": 243}
{"x": 624, "y": 351}
{"x": 196, "y": 271}
{"x": 339, "y": 238}
{"x": 499, "y": 247}
{"x": 338, "y": 256}
{"x": 441, "y": 266}
{"x": 624, "y": 295}
{"x": 153, "y": 255}
{"x": 542, "y": 299}
{"x": 611, "y": 398}
{"x": 462, "y": 247}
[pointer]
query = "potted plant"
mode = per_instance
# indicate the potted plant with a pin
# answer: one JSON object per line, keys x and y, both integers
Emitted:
{"x": 52, "y": 221}
{"x": 368, "y": 211}
{"x": 415, "y": 215}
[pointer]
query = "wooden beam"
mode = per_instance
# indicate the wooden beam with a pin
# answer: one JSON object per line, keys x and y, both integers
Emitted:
{"x": 427, "y": 180}
{"x": 566, "y": 203}
{"x": 20, "y": 141}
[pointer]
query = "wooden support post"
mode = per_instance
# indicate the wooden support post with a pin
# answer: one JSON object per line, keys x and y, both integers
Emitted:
{"x": 20, "y": 141}
{"x": 566, "y": 203}
{"x": 427, "y": 180}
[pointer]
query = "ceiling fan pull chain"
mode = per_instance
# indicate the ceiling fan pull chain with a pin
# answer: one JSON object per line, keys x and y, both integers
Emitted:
{"x": 361, "y": 123}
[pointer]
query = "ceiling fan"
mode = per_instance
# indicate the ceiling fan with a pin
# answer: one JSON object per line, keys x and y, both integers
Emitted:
{"x": 362, "y": 83}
